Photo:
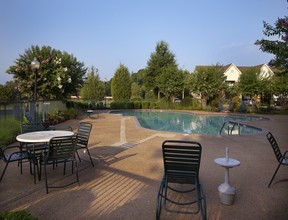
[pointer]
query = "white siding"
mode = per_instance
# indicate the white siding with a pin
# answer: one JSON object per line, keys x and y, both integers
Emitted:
{"x": 232, "y": 73}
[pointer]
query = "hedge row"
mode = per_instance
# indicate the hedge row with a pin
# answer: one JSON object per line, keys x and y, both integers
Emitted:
{"x": 132, "y": 105}
{"x": 85, "y": 104}
{"x": 187, "y": 103}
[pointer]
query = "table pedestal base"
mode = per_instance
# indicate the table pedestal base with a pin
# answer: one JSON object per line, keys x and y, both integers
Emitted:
{"x": 226, "y": 194}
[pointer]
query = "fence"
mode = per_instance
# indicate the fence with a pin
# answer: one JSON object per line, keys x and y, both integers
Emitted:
{"x": 18, "y": 109}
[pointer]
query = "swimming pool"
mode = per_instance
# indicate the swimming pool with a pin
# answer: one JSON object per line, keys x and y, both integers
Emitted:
{"x": 193, "y": 123}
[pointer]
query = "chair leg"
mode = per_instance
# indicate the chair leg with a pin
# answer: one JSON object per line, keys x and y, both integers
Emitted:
{"x": 78, "y": 155}
{"x": 4, "y": 171}
{"x": 274, "y": 174}
{"x": 90, "y": 157}
{"x": 73, "y": 167}
{"x": 40, "y": 171}
{"x": 21, "y": 167}
{"x": 159, "y": 200}
{"x": 36, "y": 170}
{"x": 64, "y": 171}
{"x": 46, "y": 180}
{"x": 76, "y": 165}
{"x": 202, "y": 202}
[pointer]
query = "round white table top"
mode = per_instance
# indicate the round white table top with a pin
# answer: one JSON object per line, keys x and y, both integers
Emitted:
{"x": 227, "y": 163}
{"x": 42, "y": 136}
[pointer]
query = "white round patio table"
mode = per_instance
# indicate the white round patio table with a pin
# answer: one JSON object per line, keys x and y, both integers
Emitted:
{"x": 226, "y": 191}
{"x": 42, "y": 136}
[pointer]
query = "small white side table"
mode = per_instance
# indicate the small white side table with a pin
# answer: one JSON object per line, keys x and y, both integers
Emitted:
{"x": 226, "y": 191}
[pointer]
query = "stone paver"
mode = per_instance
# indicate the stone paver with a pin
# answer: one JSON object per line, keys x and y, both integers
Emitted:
{"x": 128, "y": 170}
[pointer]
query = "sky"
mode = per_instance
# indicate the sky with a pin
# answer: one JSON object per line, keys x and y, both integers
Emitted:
{"x": 107, "y": 33}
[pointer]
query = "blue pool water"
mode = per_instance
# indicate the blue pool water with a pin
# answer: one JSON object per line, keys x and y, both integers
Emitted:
{"x": 188, "y": 123}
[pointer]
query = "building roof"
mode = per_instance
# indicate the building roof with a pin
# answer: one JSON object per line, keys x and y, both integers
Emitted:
{"x": 241, "y": 68}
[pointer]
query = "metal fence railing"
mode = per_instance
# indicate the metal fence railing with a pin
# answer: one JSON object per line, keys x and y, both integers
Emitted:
{"x": 40, "y": 110}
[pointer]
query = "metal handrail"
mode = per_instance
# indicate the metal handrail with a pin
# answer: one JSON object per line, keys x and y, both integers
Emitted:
{"x": 235, "y": 123}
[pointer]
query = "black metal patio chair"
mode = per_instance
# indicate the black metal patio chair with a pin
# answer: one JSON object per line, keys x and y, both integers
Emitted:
{"x": 281, "y": 158}
{"x": 83, "y": 134}
{"x": 13, "y": 154}
{"x": 34, "y": 149}
{"x": 180, "y": 190}
{"x": 60, "y": 150}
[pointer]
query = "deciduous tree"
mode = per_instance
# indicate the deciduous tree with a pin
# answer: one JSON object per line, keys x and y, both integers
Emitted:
{"x": 171, "y": 82}
{"x": 59, "y": 76}
{"x": 206, "y": 83}
{"x": 278, "y": 47}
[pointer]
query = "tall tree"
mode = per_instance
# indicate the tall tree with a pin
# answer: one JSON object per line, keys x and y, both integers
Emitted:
{"x": 206, "y": 83}
{"x": 171, "y": 82}
{"x": 9, "y": 91}
{"x": 93, "y": 87}
{"x": 6, "y": 93}
{"x": 249, "y": 83}
{"x": 281, "y": 89}
{"x": 159, "y": 60}
{"x": 278, "y": 47}
{"x": 138, "y": 77}
{"x": 121, "y": 84}
{"x": 136, "y": 93}
{"x": 59, "y": 76}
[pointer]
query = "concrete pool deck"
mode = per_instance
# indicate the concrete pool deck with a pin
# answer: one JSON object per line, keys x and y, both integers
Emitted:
{"x": 128, "y": 170}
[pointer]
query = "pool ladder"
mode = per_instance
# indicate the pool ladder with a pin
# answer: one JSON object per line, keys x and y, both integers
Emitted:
{"x": 234, "y": 127}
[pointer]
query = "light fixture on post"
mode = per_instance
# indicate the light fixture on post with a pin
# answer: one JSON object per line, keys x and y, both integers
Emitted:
{"x": 35, "y": 66}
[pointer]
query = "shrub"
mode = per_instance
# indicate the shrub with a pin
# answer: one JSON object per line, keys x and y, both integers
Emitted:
{"x": 196, "y": 105}
{"x": 118, "y": 105}
{"x": 137, "y": 104}
{"x": 99, "y": 105}
{"x": 165, "y": 104}
{"x": 129, "y": 105}
{"x": 242, "y": 108}
{"x": 17, "y": 215}
{"x": 70, "y": 104}
{"x": 70, "y": 113}
{"x": 186, "y": 102}
{"x": 235, "y": 104}
{"x": 153, "y": 105}
{"x": 9, "y": 129}
{"x": 145, "y": 105}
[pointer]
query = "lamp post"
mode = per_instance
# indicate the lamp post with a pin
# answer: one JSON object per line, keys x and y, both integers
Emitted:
{"x": 105, "y": 90}
{"x": 35, "y": 66}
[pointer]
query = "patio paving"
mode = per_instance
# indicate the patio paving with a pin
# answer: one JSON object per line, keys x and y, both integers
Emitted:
{"x": 128, "y": 170}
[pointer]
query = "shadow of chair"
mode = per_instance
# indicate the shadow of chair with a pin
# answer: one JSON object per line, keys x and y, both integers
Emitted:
{"x": 180, "y": 190}
{"x": 60, "y": 150}
{"x": 83, "y": 134}
{"x": 13, "y": 154}
{"x": 281, "y": 158}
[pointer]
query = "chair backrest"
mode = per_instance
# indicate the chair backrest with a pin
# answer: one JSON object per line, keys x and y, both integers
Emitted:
{"x": 29, "y": 118}
{"x": 31, "y": 128}
{"x": 83, "y": 133}
{"x": 2, "y": 156}
{"x": 181, "y": 161}
{"x": 274, "y": 146}
{"x": 62, "y": 148}
{"x": 59, "y": 127}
